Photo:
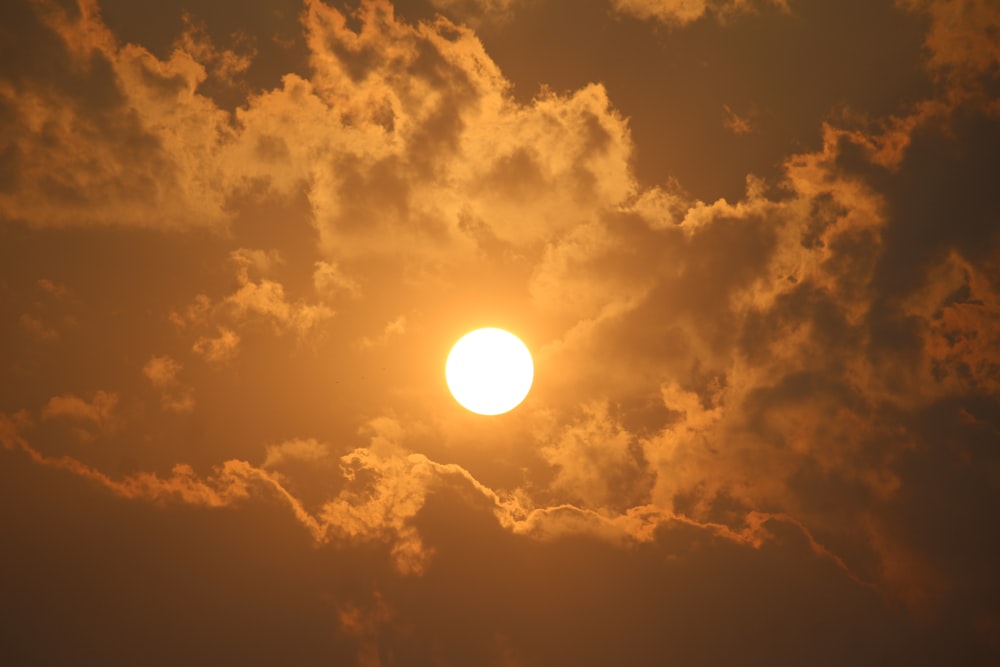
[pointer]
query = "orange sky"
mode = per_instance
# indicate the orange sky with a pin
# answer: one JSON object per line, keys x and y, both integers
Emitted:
{"x": 753, "y": 245}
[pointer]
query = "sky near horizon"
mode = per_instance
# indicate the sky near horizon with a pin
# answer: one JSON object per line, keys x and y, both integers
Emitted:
{"x": 752, "y": 245}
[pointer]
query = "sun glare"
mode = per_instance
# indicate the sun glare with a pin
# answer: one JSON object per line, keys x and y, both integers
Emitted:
{"x": 489, "y": 371}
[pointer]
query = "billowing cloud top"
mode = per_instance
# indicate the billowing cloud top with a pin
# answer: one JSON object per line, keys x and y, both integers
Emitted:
{"x": 753, "y": 247}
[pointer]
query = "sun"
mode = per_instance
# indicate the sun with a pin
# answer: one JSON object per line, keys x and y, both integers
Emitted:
{"x": 489, "y": 371}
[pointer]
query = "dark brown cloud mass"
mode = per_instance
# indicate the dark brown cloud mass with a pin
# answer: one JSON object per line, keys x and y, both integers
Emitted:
{"x": 754, "y": 248}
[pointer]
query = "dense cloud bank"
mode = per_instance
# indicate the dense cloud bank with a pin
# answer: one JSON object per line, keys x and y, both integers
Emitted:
{"x": 764, "y": 429}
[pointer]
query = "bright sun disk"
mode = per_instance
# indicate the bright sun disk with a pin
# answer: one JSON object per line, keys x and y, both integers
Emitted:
{"x": 489, "y": 371}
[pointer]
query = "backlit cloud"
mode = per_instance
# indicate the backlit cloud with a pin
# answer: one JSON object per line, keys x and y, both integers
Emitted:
{"x": 162, "y": 372}
{"x": 97, "y": 414}
{"x": 680, "y": 12}
{"x": 766, "y": 413}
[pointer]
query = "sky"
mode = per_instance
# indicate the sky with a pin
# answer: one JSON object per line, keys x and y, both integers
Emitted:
{"x": 752, "y": 245}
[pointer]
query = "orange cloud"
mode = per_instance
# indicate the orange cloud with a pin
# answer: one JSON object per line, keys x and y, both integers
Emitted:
{"x": 962, "y": 35}
{"x": 36, "y": 328}
{"x": 599, "y": 464}
{"x": 98, "y": 415}
{"x": 681, "y": 12}
{"x": 960, "y": 313}
{"x": 138, "y": 153}
{"x": 162, "y": 372}
{"x": 328, "y": 279}
{"x": 220, "y": 349}
{"x": 725, "y": 353}
{"x": 295, "y": 450}
{"x": 225, "y": 65}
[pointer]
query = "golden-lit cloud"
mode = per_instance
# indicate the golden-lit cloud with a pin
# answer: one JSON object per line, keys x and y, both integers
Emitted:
{"x": 295, "y": 450}
{"x": 265, "y": 299}
{"x": 681, "y": 12}
{"x": 734, "y": 122}
{"x": 795, "y": 384}
{"x": 162, "y": 372}
{"x": 599, "y": 464}
{"x": 121, "y": 139}
{"x": 962, "y": 34}
{"x": 330, "y": 280}
{"x": 93, "y": 417}
{"x": 959, "y": 311}
{"x": 226, "y": 65}
{"x": 218, "y": 349}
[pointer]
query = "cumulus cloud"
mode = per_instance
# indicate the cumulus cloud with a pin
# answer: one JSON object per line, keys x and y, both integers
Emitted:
{"x": 162, "y": 372}
{"x": 403, "y": 132}
{"x": 960, "y": 312}
{"x": 94, "y": 417}
{"x": 114, "y": 136}
{"x": 719, "y": 366}
{"x": 681, "y": 12}
{"x": 256, "y": 299}
{"x": 195, "y": 314}
{"x": 225, "y": 65}
{"x": 962, "y": 37}
{"x": 295, "y": 450}
{"x": 329, "y": 280}
{"x": 266, "y": 300}
{"x": 599, "y": 464}
{"x": 220, "y": 349}
{"x": 386, "y": 488}
{"x": 441, "y": 159}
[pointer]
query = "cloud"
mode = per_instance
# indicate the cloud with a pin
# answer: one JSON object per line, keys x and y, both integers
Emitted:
{"x": 225, "y": 65}
{"x": 682, "y": 12}
{"x": 43, "y": 324}
{"x": 960, "y": 313}
{"x": 599, "y": 464}
{"x": 197, "y": 313}
{"x": 162, "y": 372}
{"x": 37, "y": 329}
{"x": 97, "y": 416}
{"x": 220, "y": 349}
{"x": 255, "y": 299}
{"x": 736, "y": 123}
{"x": 386, "y": 488}
{"x": 402, "y": 132}
{"x": 104, "y": 134}
{"x": 746, "y": 371}
{"x": 440, "y": 158}
{"x": 52, "y": 288}
{"x": 364, "y": 625}
{"x": 328, "y": 279}
{"x": 260, "y": 262}
{"x": 393, "y": 328}
{"x": 266, "y": 299}
{"x": 474, "y": 12}
{"x": 295, "y": 450}
{"x": 962, "y": 36}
